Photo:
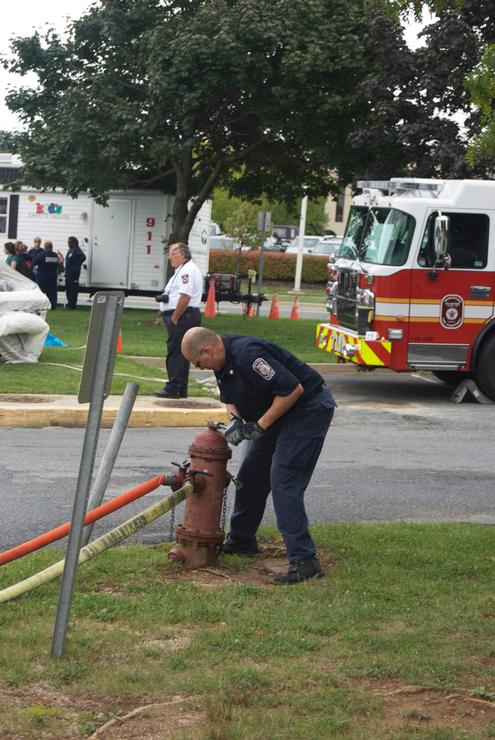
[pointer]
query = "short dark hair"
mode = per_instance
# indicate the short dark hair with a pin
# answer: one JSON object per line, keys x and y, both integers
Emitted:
{"x": 10, "y": 247}
{"x": 72, "y": 241}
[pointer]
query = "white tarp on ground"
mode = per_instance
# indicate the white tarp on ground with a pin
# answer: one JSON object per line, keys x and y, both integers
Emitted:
{"x": 23, "y": 328}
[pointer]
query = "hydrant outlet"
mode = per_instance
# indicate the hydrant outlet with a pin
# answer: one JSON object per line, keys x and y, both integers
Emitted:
{"x": 177, "y": 555}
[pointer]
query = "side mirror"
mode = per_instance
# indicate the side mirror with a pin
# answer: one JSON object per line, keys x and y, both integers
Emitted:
{"x": 441, "y": 237}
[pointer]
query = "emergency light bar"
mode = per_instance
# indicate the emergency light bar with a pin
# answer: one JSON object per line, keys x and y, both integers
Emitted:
{"x": 390, "y": 186}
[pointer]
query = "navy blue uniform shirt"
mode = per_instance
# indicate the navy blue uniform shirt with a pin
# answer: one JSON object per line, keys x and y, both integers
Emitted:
{"x": 46, "y": 262}
{"x": 73, "y": 261}
{"x": 256, "y": 371}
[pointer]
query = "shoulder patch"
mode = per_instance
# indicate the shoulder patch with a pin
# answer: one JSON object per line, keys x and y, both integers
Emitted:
{"x": 263, "y": 368}
{"x": 185, "y": 279}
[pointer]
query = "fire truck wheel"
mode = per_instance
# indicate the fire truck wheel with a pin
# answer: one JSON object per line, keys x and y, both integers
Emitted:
{"x": 485, "y": 375}
{"x": 451, "y": 377}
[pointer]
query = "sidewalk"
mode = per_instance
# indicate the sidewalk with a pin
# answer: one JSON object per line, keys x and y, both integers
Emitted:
{"x": 36, "y": 410}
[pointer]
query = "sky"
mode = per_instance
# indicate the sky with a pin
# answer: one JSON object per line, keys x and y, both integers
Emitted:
{"x": 23, "y": 17}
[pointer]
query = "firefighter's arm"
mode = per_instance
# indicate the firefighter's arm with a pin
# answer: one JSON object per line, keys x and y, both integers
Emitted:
{"x": 232, "y": 411}
{"x": 280, "y": 406}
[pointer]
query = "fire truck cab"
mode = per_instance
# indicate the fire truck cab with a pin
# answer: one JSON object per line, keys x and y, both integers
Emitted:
{"x": 414, "y": 286}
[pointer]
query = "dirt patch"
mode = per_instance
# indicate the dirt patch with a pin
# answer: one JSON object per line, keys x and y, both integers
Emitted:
{"x": 154, "y": 721}
{"x": 6, "y": 398}
{"x": 184, "y": 403}
{"x": 426, "y": 707}
{"x": 259, "y": 571}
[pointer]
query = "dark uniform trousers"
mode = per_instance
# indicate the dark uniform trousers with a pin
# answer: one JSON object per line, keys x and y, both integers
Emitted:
{"x": 72, "y": 292}
{"x": 47, "y": 282}
{"x": 282, "y": 461}
{"x": 176, "y": 364}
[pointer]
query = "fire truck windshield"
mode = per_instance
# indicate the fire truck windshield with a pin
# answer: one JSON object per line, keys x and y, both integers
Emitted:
{"x": 381, "y": 236}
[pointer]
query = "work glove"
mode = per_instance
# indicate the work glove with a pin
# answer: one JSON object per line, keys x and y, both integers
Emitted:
{"x": 233, "y": 432}
{"x": 252, "y": 431}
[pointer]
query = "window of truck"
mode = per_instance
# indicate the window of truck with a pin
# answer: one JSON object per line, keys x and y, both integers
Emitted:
{"x": 354, "y": 231}
{"x": 387, "y": 237}
{"x": 468, "y": 241}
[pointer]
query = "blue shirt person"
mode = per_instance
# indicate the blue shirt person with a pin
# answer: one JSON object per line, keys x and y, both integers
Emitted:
{"x": 284, "y": 408}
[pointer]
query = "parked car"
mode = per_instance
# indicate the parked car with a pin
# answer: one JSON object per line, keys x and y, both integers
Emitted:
{"x": 222, "y": 242}
{"x": 308, "y": 245}
{"x": 215, "y": 229}
{"x": 329, "y": 246}
{"x": 285, "y": 233}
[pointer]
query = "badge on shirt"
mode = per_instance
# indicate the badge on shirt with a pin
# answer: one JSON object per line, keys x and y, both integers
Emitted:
{"x": 262, "y": 367}
{"x": 185, "y": 279}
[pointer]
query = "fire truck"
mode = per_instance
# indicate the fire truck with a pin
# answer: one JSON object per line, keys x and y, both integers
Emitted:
{"x": 413, "y": 287}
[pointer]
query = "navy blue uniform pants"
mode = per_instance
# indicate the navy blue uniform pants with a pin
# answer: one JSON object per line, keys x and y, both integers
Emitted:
{"x": 282, "y": 461}
{"x": 176, "y": 364}
{"x": 71, "y": 291}
{"x": 48, "y": 284}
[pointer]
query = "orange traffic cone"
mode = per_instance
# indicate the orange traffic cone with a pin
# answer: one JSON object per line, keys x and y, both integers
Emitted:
{"x": 119, "y": 342}
{"x": 274, "y": 310}
{"x": 294, "y": 314}
{"x": 210, "y": 308}
{"x": 251, "y": 310}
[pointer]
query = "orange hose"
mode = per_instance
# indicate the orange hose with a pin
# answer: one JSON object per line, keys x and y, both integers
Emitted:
{"x": 92, "y": 516}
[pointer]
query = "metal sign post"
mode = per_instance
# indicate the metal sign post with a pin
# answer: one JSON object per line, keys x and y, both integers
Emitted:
{"x": 96, "y": 381}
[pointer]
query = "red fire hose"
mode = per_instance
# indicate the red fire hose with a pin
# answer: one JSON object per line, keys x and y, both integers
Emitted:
{"x": 92, "y": 516}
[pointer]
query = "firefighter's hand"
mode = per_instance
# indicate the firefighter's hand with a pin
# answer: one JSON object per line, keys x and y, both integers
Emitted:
{"x": 233, "y": 432}
{"x": 252, "y": 431}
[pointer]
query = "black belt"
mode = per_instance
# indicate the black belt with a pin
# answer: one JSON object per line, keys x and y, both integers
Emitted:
{"x": 172, "y": 310}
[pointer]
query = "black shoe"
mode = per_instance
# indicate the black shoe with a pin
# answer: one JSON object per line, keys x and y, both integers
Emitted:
{"x": 299, "y": 570}
{"x": 240, "y": 547}
{"x": 183, "y": 394}
{"x": 164, "y": 393}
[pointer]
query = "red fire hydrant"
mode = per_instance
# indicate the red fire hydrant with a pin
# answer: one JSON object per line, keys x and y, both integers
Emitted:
{"x": 201, "y": 534}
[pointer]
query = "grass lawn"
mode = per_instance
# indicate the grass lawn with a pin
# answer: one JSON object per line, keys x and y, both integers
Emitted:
{"x": 141, "y": 337}
{"x": 395, "y": 642}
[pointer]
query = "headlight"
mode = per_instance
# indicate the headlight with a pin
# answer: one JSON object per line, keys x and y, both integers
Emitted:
{"x": 332, "y": 296}
{"x": 365, "y": 298}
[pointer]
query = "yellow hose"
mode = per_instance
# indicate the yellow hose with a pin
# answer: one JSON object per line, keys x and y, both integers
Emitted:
{"x": 101, "y": 544}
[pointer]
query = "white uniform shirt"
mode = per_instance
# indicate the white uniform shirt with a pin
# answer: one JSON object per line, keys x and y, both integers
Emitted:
{"x": 188, "y": 280}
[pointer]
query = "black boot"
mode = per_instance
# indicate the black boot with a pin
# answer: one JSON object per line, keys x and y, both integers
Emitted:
{"x": 299, "y": 570}
{"x": 240, "y": 547}
{"x": 165, "y": 393}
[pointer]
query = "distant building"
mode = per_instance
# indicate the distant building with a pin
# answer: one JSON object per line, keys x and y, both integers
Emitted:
{"x": 337, "y": 210}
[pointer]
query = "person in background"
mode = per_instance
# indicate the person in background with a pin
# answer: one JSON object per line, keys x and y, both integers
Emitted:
{"x": 13, "y": 260}
{"x": 35, "y": 251}
{"x": 74, "y": 260}
{"x": 27, "y": 263}
{"x": 284, "y": 408}
{"x": 179, "y": 307}
{"x": 46, "y": 264}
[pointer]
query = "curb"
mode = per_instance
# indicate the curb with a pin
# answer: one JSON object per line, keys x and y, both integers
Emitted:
{"x": 65, "y": 411}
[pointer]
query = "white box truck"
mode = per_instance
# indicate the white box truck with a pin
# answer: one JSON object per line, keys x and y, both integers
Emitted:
{"x": 124, "y": 241}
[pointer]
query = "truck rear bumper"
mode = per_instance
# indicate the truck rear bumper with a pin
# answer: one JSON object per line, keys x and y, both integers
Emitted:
{"x": 347, "y": 344}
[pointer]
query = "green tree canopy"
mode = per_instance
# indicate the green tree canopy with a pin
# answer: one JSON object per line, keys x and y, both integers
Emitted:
{"x": 257, "y": 95}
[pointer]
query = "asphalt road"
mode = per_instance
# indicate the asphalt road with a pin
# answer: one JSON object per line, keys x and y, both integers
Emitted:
{"x": 399, "y": 449}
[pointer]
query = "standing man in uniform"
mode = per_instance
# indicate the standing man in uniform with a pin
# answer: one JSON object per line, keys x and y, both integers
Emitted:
{"x": 46, "y": 264}
{"x": 73, "y": 262}
{"x": 284, "y": 407}
{"x": 179, "y": 307}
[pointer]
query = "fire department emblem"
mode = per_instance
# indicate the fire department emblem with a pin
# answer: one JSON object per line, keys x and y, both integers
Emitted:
{"x": 185, "y": 279}
{"x": 262, "y": 367}
{"x": 452, "y": 311}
